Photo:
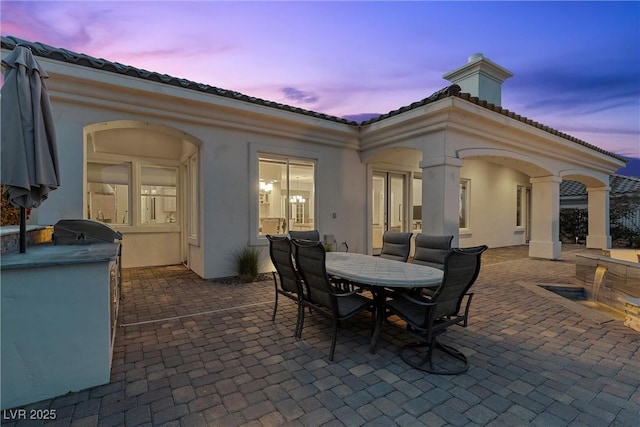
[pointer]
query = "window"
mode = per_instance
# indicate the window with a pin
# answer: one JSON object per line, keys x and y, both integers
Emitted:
{"x": 193, "y": 196}
{"x": 111, "y": 195}
{"x": 108, "y": 192}
{"x": 158, "y": 197}
{"x": 286, "y": 194}
{"x": 463, "y": 209}
{"x": 519, "y": 206}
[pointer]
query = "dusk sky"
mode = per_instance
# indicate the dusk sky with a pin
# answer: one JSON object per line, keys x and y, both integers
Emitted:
{"x": 576, "y": 65}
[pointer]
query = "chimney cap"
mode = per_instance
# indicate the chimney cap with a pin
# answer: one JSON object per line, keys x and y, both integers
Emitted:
{"x": 475, "y": 57}
{"x": 478, "y": 63}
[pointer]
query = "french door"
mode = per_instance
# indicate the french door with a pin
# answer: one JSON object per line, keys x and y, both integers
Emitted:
{"x": 389, "y": 205}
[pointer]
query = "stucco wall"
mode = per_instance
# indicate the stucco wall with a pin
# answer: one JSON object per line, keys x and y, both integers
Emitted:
{"x": 228, "y": 132}
{"x": 493, "y": 204}
{"x": 55, "y": 331}
{"x": 229, "y": 158}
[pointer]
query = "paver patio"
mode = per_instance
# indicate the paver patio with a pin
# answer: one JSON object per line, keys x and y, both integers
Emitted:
{"x": 191, "y": 352}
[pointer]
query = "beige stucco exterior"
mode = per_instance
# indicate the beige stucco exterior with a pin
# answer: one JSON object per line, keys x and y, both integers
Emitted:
{"x": 106, "y": 115}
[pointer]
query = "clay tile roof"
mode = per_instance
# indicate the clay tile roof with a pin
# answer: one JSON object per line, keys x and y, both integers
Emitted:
{"x": 46, "y": 51}
{"x": 619, "y": 184}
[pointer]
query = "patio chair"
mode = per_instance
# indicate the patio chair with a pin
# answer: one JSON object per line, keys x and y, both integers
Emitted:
{"x": 396, "y": 246}
{"x": 270, "y": 226}
{"x": 313, "y": 235}
{"x": 428, "y": 317}
{"x": 320, "y": 295}
{"x": 431, "y": 250}
{"x": 286, "y": 279}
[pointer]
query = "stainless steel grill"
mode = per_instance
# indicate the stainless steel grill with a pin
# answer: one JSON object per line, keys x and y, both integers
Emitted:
{"x": 82, "y": 232}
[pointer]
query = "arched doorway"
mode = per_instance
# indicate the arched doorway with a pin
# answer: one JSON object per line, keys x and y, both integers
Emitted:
{"x": 142, "y": 179}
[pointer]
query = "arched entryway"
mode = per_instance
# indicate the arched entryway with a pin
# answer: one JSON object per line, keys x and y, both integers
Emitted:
{"x": 142, "y": 179}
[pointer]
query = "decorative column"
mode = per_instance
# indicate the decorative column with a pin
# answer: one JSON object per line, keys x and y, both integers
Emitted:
{"x": 545, "y": 218}
{"x": 598, "y": 208}
{"x": 441, "y": 196}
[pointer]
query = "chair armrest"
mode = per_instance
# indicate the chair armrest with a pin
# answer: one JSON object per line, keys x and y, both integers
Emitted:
{"x": 412, "y": 299}
{"x": 469, "y": 296}
{"x": 342, "y": 284}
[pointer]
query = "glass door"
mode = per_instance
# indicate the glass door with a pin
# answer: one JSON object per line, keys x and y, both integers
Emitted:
{"x": 389, "y": 207}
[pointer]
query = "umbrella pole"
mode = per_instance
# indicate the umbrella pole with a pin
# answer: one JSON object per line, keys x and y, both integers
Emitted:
{"x": 23, "y": 230}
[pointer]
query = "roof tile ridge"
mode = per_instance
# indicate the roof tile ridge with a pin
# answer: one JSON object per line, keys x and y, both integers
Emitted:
{"x": 60, "y": 54}
{"x": 482, "y": 103}
{"x": 451, "y": 90}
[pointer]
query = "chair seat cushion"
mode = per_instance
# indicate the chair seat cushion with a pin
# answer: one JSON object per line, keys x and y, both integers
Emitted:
{"x": 411, "y": 312}
{"x": 351, "y": 304}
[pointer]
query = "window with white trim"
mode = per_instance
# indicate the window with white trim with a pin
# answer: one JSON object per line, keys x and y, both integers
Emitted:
{"x": 114, "y": 199}
{"x": 158, "y": 195}
{"x": 108, "y": 185}
{"x": 520, "y": 198}
{"x": 286, "y": 194}
{"x": 192, "y": 206}
{"x": 463, "y": 209}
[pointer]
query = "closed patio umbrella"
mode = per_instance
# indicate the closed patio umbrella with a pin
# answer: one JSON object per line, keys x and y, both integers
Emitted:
{"x": 28, "y": 150}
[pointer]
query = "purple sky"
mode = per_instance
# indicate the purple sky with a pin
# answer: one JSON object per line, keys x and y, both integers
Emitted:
{"x": 576, "y": 65}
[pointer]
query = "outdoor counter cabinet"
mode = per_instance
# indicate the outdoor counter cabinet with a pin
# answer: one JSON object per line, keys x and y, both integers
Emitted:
{"x": 59, "y": 306}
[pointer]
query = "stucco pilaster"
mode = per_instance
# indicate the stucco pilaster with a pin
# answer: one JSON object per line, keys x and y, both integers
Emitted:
{"x": 440, "y": 196}
{"x": 545, "y": 218}
{"x": 598, "y": 207}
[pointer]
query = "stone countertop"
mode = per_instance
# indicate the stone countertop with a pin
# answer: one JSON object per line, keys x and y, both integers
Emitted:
{"x": 45, "y": 255}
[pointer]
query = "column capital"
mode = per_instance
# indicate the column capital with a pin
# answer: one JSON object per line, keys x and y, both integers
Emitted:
{"x": 550, "y": 178}
{"x": 598, "y": 189}
{"x": 440, "y": 161}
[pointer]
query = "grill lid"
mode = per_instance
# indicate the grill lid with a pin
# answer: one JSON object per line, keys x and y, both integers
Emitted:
{"x": 83, "y": 231}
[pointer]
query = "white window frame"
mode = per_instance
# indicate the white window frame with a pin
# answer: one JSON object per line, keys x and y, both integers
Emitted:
{"x": 138, "y": 194}
{"x": 520, "y": 205}
{"x": 467, "y": 205}
{"x": 193, "y": 199}
{"x": 130, "y": 195}
{"x": 135, "y": 225}
{"x": 257, "y": 150}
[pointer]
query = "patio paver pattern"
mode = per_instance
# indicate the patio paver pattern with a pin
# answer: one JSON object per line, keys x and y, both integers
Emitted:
{"x": 534, "y": 361}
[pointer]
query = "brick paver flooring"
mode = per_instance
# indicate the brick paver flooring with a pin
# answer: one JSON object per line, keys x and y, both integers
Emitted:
{"x": 191, "y": 352}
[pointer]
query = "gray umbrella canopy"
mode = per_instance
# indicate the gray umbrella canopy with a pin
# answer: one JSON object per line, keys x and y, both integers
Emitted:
{"x": 28, "y": 150}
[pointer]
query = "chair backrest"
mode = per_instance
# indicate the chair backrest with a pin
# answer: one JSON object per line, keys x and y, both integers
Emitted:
{"x": 431, "y": 250}
{"x": 310, "y": 260}
{"x": 461, "y": 268}
{"x": 270, "y": 226}
{"x": 313, "y": 235}
{"x": 396, "y": 246}
{"x": 280, "y": 251}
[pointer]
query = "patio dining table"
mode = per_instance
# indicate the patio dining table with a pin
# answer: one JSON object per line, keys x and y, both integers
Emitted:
{"x": 379, "y": 273}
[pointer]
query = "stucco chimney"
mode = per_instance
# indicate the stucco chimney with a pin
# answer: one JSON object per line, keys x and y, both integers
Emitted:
{"x": 480, "y": 77}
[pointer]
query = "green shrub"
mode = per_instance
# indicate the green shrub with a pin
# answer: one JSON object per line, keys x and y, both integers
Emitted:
{"x": 246, "y": 262}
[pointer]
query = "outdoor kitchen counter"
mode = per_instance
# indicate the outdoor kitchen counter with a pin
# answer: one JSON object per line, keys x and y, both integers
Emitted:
{"x": 58, "y": 318}
{"x": 44, "y": 255}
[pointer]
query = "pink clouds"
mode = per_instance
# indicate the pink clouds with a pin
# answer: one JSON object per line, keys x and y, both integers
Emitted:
{"x": 345, "y": 58}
